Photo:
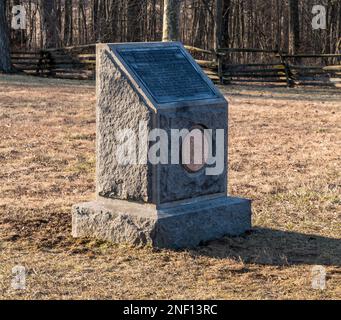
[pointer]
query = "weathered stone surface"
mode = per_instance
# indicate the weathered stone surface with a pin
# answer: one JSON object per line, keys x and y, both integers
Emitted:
{"x": 189, "y": 225}
{"x": 114, "y": 222}
{"x": 119, "y": 107}
{"x": 177, "y": 184}
{"x": 182, "y": 226}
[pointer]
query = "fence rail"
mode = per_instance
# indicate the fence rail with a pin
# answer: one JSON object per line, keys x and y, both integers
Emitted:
{"x": 79, "y": 62}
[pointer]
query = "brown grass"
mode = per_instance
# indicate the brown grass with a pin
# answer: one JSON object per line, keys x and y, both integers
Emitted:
{"x": 285, "y": 154}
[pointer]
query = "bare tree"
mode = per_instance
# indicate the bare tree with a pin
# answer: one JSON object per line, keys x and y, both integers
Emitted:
{"x": 171, "y": 17}
{"x": 5, "y": 58}
{"x": 226, "y": 20}
{"x": 294, "y": 27}
{"x": 15, "y": 34}
{"x": 133, "y": 20}
{"x": 218, "y": 21}
{"x": 68, "y": 23}
{"x": 48, "y": 23}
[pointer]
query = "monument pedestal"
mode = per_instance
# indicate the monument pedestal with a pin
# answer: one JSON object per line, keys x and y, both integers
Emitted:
{"x": 180, "y": 226}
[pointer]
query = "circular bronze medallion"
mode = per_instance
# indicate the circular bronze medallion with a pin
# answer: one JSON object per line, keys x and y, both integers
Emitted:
{"x": 195, "y": 149}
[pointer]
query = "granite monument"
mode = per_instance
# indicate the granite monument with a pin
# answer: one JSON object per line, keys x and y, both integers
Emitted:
{"x": 161, "y": 152}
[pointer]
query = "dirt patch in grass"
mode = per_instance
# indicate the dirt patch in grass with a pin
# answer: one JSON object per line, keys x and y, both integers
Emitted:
{"x": 285, "y": 155}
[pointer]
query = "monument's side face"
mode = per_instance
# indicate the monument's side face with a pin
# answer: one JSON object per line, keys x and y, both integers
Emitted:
{"x": 119, "y": 108}
{"x": 178, "y": 184}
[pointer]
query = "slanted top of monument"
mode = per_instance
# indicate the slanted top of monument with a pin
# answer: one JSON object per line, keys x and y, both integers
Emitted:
{"x": 165, "y": 72}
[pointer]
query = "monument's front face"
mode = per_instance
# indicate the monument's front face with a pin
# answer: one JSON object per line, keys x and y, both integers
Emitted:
{"x": 161, "y": 151}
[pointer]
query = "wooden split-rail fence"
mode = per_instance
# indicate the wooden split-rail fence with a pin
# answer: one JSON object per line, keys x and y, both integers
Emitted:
{"x": 289, "y": 70}
{"x": 77, "y": 63}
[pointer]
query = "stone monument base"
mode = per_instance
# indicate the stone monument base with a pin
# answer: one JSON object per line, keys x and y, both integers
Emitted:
{"x": 181, "y": 226}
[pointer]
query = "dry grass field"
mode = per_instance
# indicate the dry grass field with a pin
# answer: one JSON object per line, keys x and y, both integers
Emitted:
{"x": 285, "y": 155}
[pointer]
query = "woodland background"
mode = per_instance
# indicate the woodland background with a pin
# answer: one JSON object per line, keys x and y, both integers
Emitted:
{"x": 266, "y": 24}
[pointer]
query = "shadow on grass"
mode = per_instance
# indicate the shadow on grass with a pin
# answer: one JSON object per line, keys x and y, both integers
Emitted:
{"x": 275, "y": 247}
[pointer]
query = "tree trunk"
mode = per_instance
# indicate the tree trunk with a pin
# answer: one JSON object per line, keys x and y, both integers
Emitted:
{"x": 153, "y": 22}
{"x": 294, "y": 27}
{"x": 94, "y": 19}
{"x": 114, "y": 19}
{"x": 171, "y": 20}
{"x": 218, "y": 21}
{"x": 48, "y": 23}
{"x": 278, "y": 45}
{"x": 5, "y": 57}
{"x": 225, "y": 24}
{"x": 133, "y": 20}
{"x": 68, "y": 23}
{"x": 15, "y": 35}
